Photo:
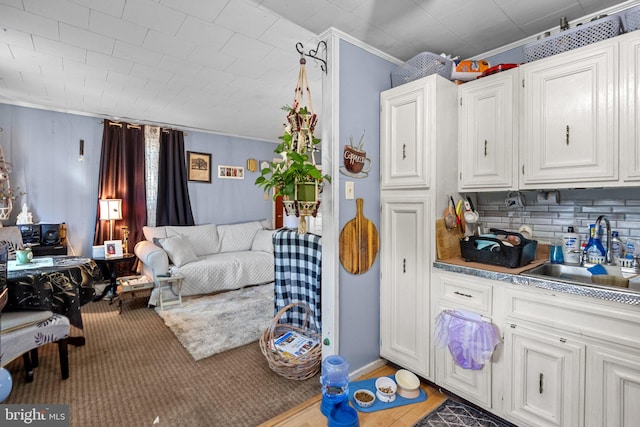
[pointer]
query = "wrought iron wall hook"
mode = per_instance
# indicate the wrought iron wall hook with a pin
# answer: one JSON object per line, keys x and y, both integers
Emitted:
{"x": 313, "y": 53}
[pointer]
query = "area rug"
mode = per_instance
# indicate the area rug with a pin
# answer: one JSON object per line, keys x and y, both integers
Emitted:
{"x": 212, "y": 324}
{"x": 456, "y": 414}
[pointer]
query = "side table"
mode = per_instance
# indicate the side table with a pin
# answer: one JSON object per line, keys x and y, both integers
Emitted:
{"x": 133, "y": 287}
{"x": 110, "y": 264}
{"x": 173, "y": 284}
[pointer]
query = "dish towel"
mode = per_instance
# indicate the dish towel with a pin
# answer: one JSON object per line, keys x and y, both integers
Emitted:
{"x": 470, "y": 339}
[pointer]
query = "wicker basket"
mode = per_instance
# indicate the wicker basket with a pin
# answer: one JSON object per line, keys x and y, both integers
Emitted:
{"x": 302, "y": 367}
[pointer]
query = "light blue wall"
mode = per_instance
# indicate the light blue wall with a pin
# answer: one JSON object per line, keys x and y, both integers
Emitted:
{"x": 362, "y": 77}
{"x": 43, "y": 147}
{"x": 229, "y": 200}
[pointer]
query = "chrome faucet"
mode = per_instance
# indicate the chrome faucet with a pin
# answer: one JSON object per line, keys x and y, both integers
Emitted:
{"x": 608, "y": 259}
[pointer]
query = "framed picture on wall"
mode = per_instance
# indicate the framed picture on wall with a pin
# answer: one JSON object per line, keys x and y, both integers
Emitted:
{"x": 199, "y": 166}
{"x": 112, "y": 248}
{"x": 230, "y": 172}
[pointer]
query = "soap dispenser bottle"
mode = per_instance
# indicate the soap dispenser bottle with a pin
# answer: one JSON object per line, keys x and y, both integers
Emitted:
{"x": 617, "y": 247}
{"x": 595, "y": 250}
{"x": 571, "y": 246}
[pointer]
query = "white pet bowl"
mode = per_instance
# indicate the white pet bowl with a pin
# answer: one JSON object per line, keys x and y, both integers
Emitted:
{"x": 386, "y": 389}
{"x": 364, "y": 398}
{"x": 408, "y": 384}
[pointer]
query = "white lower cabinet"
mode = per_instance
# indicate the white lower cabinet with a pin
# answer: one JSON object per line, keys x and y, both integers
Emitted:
{"x": 456, "y": 292}
{"x": 404, "y": 285}
{"x": 613, "y": 387}
{"x": 545, "y": 378}
{"x": 565, "y": 360}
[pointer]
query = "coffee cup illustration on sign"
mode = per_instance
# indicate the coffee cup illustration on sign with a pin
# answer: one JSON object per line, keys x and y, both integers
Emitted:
{"x": 356, "y": 162}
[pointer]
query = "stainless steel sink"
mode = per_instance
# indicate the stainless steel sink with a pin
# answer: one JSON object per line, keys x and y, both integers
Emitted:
{"x": 577, "y": 275}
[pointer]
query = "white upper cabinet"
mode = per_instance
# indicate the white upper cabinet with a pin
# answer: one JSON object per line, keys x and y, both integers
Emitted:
{"x": 405, "y": 145}
{"x": 488, "y": 133}
{"x": 569, "y": 122}
{"x": 630, "y": 107}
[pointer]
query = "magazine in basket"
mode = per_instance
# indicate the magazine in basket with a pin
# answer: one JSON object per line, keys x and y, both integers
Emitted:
{"x": 293, "y": 344}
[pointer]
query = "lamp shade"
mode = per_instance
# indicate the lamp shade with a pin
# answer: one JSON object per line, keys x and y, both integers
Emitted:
{"x": 110, "y": 209}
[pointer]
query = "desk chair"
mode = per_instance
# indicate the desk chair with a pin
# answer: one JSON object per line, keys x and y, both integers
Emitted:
{"x": 22, "y": 332}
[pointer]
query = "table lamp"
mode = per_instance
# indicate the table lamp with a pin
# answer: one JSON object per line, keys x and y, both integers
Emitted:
{"x": 110, "y": 210}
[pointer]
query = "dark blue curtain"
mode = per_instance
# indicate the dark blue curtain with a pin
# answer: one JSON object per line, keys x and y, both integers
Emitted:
{"x": 174, "y": 205}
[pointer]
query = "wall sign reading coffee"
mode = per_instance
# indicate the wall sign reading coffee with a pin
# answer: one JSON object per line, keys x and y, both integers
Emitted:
{"x": 356, "y": 162}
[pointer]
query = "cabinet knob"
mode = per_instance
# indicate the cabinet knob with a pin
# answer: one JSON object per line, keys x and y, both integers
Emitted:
{"x": 404, "y": 151}
{"x": 567, "y": 134}
{"x": 404, "y": 265}
{"x": 485, "y": 147}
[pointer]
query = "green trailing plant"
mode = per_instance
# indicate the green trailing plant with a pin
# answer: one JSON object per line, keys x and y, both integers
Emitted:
{"x": 283, "y": 175}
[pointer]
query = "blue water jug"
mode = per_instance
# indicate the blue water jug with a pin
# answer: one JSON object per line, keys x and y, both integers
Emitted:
{"x": 335, "y": 383}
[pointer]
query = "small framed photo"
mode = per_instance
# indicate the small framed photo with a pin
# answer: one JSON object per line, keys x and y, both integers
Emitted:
{"x": 199, "y": 166}
{"x": 113, "y": 248}
{"x": 230, "y": 172}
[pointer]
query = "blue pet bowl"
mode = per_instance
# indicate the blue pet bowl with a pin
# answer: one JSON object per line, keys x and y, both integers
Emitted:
{"x": 344, "y": 416}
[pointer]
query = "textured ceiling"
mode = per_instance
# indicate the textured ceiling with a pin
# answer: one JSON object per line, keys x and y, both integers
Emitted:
{"x": 228, "y": 65}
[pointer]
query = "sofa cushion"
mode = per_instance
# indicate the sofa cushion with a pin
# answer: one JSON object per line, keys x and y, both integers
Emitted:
{"x": 263, "y": 241}
{"x": 203, "y": 238}
{"x": 226, "y": 271}
{"x": 151, "y": 233}
{"x": 179, "y": 249}
{"x": 238, "y": 237}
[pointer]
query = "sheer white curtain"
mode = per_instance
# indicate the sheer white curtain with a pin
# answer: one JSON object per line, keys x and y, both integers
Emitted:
{"x": 152, "y": 150}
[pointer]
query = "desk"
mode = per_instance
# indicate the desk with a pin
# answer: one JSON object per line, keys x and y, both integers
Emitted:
{"x": 110, "y": 264}
{"x": 61, "y": 287}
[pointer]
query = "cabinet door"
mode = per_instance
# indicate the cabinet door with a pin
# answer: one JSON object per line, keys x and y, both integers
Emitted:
{"x": 404, "y": 150}
{"x": 545, "y": 378}
{"x": 458, "y": 292}
{"x": 613, "y": 387}
{"x": 487, "y": 133}
{"x": 570, "y": 125}
{"x": 404, "y": 288}
{"x": 630, "y": 107}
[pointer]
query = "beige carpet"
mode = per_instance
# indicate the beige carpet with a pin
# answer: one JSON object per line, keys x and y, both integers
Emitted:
{"x": 133, "y": 369}
{"x": 212, "y": 324}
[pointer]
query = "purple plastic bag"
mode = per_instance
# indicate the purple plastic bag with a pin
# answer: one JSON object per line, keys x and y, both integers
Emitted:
{"x": 470, "y": 339}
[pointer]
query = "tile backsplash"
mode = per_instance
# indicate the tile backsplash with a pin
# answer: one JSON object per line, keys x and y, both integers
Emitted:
{"x": 577, "y": 208}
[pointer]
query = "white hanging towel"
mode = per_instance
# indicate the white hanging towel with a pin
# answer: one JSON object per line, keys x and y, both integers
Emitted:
{"x": 470, "y": 339}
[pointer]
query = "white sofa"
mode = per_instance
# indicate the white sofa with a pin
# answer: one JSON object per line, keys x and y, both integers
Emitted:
{"x": 212, "y": 258}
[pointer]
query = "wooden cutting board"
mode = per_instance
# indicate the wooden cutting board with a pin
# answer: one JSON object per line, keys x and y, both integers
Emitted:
{"x": 358, "y": 242}
{"x": 447, "y": 241}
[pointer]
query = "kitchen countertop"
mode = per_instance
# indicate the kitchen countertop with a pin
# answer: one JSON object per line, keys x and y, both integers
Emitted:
{"x": 513, "y": 276}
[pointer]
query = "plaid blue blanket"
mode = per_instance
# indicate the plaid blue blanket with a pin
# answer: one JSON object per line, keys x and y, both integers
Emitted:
{"x": 298, "y": 274}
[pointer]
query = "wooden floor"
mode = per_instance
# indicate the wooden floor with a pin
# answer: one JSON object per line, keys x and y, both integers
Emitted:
{"x": 308, "y": 413}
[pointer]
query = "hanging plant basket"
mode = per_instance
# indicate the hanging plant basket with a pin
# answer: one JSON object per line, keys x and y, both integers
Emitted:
{"x": 302, "y": 122}
{"x": 5, "y": 210}
{"x": 297, "y": 178}
{"x": 307, "y": 191}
